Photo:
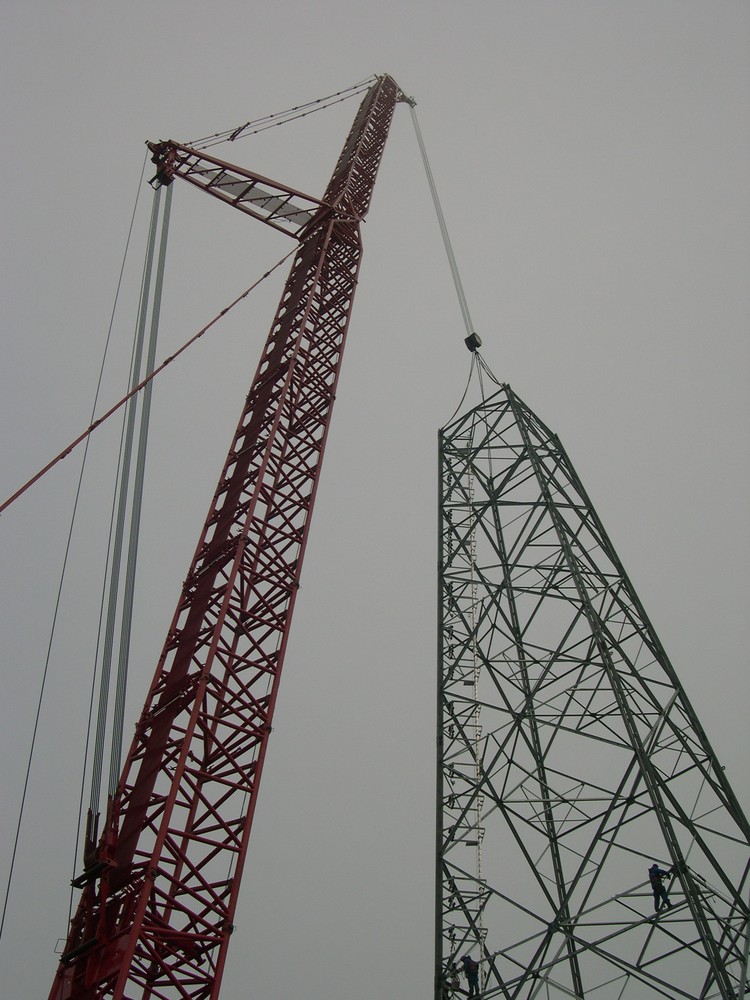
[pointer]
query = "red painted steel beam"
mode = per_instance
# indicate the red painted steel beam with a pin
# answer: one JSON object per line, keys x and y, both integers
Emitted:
{"x": 158, "y": 901}
{"x": 278, "y": 205}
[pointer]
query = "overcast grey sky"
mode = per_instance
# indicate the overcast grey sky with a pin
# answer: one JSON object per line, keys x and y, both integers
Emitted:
{"x": 592, "y": 160}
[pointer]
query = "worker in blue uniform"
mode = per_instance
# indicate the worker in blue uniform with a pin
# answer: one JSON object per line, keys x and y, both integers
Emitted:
{"x": 661, "y": 896}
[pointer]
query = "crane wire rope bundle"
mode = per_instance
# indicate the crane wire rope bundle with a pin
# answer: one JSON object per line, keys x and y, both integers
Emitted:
{"x": 66, "y": 555}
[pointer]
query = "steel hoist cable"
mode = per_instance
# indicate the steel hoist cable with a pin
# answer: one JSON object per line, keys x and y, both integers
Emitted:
{"x": 472, "y": 341}
{"x": 463, "y": 304}
{"x": 66, "y": 555}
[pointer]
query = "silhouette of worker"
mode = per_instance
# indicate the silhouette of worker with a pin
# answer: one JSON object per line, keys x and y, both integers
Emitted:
{"x": 471, "y": 971}
{"x": 655, "y": 876}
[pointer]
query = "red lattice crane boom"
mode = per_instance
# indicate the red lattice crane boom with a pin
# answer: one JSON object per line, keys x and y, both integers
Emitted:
{"x": 159, "y": 890}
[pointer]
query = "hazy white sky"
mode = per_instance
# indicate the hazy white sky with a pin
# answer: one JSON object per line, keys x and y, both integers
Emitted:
{"x": 592, "y": 160}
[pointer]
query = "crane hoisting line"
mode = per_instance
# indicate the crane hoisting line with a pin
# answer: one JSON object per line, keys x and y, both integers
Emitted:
{"x": 463, "y": 304}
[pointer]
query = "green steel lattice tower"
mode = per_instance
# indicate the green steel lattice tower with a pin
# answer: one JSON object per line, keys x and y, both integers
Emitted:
{"x": 569, "y": 757}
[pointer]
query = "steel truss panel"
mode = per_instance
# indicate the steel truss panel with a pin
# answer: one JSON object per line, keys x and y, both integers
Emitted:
{"x": 156, "y": 912}
{"x": 569, "y": 755}
{"x": 279, "y": 206}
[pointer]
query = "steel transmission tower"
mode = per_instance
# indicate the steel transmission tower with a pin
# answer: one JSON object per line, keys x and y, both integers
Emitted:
{"x": 159, "y": 889}
{"x": 569, "y": 757}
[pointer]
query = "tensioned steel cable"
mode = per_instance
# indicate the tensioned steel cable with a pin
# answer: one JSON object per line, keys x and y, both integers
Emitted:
{"x": 135, "y": 515}
{"x": 477, "y": 362}
{"x": 282, "y": 117}
{"x": 115, "y": 562}
{"x": 468, "y": 383}
{"x": 91, "y": 826}
{"x": 463, "y": 304}
{"x": 65, "y": 564}
{"x": 483, "y": 364}
{"x": 141, "y": 385}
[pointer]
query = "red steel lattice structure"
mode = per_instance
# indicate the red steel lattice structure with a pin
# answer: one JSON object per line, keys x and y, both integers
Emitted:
{"x": 159, "y": 891}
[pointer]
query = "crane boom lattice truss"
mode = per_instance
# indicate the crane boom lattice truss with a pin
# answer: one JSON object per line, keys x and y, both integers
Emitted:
{"x": 160, "y": 890}
{"x": 569, "y": 757}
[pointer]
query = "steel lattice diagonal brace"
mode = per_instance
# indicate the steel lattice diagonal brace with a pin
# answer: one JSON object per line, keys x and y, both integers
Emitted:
{"x": 569, "y": 756}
